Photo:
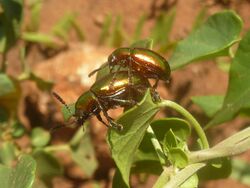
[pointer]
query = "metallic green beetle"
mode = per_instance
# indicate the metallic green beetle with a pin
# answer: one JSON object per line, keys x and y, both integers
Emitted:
{"x": 102, "y": 96}
{"x": 145, "y": 62}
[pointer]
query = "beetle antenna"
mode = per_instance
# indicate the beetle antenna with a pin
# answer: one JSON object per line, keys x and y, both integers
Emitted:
{"x": 53, "y": 129}
{"x": 94, "y": 71}
{"x": 61, "y": 101}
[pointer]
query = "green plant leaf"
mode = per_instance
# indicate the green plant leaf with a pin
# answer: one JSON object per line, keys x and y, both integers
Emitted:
{"x": 241, "y": 171}
{"x": 40, "y": 137}
{"x": 117, "y": 36}
{"x": 7, "y": 153}
{"x": 35, "y": 10}
{"x": 63, "y": 26}
{"x": 105, "y": 33}
{"x": 83, "y": 152}
{"x": 199, "y": 20}
{"x": 170, "y": 179}
{"x": 39, "y": 184}
{"x": 47, "y": 166}
{"x": 146, "y": 150}
{"x": 10, "y": 22}
{"x": 6, "y": 85}
{"x": 146, "y": 43}
{"x": 238, "y": 92}
{"x": 191, "y": 182}
{"x": 124, "y": 144}
{"x": 139, "y": 27}
{"x": 162, "y": 28}
{"x": 41, "y": 38}
{"x": 10, "y": 93}
{"x": 169, "y": 141}
{"x": 147, "y": 166}
{"x": 5, "y": 173}
{"x": 78, "y": 30}
{"x": 212, "y": 39}
{"x": 209, "y": 104}
{"x": 22, "y": 176}
{"x": 178, "y": 157}
{"x": 18, "y": 129}
{"x": 180, "y": 127}
{"x": 44, "y": 85}
{"x": 118, "y": 180}
{"x": 180, "y": 177}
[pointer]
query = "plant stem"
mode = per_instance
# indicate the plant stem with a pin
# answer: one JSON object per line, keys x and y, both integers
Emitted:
{"x": 157, "y": 146}
{"x": 63, "y": 147}
{"x": 190, "y": 118}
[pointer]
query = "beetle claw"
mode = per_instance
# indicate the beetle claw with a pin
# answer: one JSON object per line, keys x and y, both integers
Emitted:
{"x": 116, "y": 126}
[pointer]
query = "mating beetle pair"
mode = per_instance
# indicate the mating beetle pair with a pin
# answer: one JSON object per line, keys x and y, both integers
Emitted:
{"x": 121, "y": 88}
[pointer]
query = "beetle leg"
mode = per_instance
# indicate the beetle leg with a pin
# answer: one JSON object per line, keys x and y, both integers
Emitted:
{"x": 111, "y": 121}
{"x": 155, "y": 95}
{"x": 113, "y": 124}
{"x": 99, "y": 117}
{"x": 156, "y": 83}
{"x": 129, "y": 102}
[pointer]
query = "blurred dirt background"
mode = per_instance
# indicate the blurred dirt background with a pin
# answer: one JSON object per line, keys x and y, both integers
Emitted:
{"x": 68, "y": 69}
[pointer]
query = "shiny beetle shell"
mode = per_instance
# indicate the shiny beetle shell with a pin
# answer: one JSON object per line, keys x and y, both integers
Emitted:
{"x": 144, "y": 61}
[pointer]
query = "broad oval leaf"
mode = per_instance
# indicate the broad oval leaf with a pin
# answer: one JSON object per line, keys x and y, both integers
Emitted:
{"x": 7, "y": 153}
{"x": 212, "y": 39}
{"x": 18, "y": 129}
{"x": 124, "y": 144}
{"x": 40, "y": 137}
{"x": 4, "y": 175}
{"x": 209, "y": 104}
{"x": 237, "y": 96}
{"x": 23, "y": 174}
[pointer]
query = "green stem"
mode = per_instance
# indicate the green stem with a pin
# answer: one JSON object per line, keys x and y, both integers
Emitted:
{"x": 63, "y": 147}
{"x": 190, "y": 118}
{"x": 157, "y": 146}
